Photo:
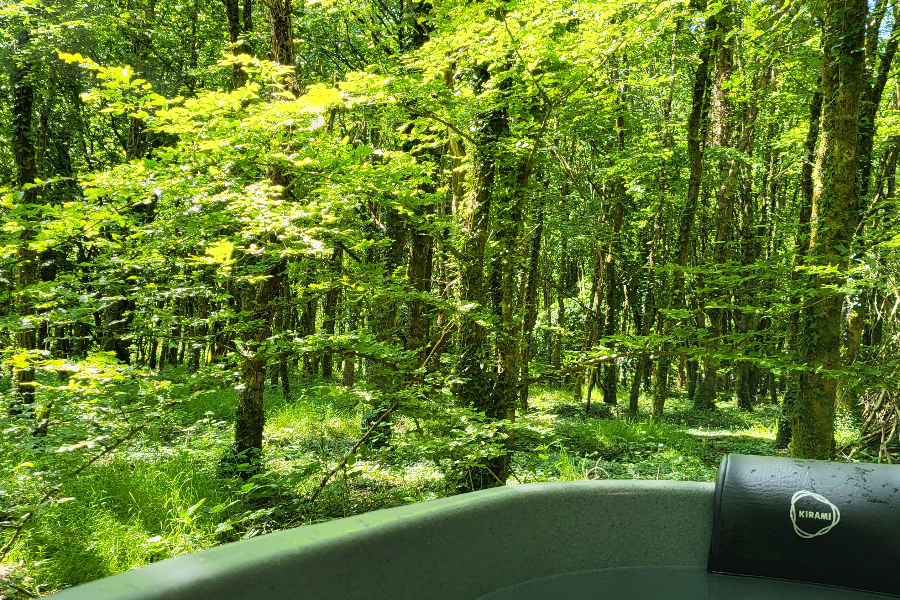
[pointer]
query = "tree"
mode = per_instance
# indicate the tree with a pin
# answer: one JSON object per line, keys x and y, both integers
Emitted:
{"x": 23, "y": 148}
{"x": 240, "y": 25}
{"x": 260, "y": 305}
{"x": 442, "y": 205}
{"x": 834, "y": 218}
{"x": 695, "y": 141}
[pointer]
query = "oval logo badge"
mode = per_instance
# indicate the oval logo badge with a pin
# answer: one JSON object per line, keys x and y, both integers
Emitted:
{"x": 812, "y": 514}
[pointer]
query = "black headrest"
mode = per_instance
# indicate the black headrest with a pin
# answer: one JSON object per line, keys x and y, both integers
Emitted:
{"x": 808, "y": 520}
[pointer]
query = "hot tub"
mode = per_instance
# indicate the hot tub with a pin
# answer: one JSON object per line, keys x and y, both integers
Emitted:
{"x": 598, "y": 540}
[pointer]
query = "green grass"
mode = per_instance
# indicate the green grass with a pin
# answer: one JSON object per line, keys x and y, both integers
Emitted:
{"x": 165, "y": 495}
{"x": 124, "y": 513}
{"x": 686, "y": 444}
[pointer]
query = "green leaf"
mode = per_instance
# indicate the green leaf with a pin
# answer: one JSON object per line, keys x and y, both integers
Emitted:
{"x": 223, "y": 527}
{"x": 320, "y": 97}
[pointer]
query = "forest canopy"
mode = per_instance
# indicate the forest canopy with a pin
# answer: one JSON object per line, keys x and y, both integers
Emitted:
{"x": 268, "y": 262}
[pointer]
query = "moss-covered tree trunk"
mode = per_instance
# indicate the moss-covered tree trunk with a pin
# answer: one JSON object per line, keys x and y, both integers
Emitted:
{"x": 138, "y": 142}
{"x": 746, "y": 374}
{"x": 501, "y": 404}
{"x": 472, "y": 365}
{"x": 834, "y": 218}
{"x": 281, "y": 35}
{"x": 348, "y": 371}
{"x": 723, "y": 128}
{"x": 856, "y": 306}
{"x": 23, "y": 151}
{"x": 116, "y": 325}
{"x": 475, "y": 388}
{"x": 261, "y": 305}
{"x": 801, "y": 248}
{"x": 695, "y": 144}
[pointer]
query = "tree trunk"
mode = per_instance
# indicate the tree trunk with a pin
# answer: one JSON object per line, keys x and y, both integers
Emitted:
{"x": 200, "y": 331}
{"x": 308, "y": 327}
{"x": 475, "y": 384}
{"x": 23, "y": 151}
{"x": 503, "y": 174}
{"x": 420, "y": 266}
{"x": 613, "y": 289}
{"x": 746, "y": 374}
{"x": 238, "y": 34}
{"x": 138, "y": 141}
{"x": 507, "y": 264}
{"x": 642, "y": 370}
{"x": 695, "y": 142}
{"x": 801, "y": 247}
{"x": 531, "y": 301}
{"x": 282, "y": 36}
{"x": 421, "y": 263}
{"x": 722, "y": 137}
{"x": 287, "y": 324}
{"x": 384, "y": 315}
{"x": 348, "y": 373}
{"x": 116, "y": 321}
{"x": 477, "y": 389}
{"x": 561, "y": 325}
{"x": 591, "y": 321}
{"x": 873, "y": 88}
{"x": 834, "y": 220}
{"x": 250, "y": 418}
{"x": 871, "y": 95}
{"x": 332, "y": 296}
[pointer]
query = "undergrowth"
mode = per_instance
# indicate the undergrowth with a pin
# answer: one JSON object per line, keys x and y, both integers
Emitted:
{"x": 164, "y": 493}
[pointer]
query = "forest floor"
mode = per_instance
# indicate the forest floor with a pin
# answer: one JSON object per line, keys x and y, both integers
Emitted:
{"x": 166, "y": 493}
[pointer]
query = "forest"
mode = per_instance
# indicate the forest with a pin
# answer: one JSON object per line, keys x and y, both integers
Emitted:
{"x": 265, "y": 263}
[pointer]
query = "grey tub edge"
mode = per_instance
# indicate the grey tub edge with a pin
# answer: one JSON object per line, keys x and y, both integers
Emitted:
{"x": 456, "y": 548}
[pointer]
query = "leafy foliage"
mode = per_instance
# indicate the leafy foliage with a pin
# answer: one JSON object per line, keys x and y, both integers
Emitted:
{"x": 243, "y": 295}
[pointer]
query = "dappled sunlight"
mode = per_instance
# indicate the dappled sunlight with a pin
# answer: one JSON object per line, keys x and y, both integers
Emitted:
{"x": 686, "y": 444}
{"x": 271, "y": 263}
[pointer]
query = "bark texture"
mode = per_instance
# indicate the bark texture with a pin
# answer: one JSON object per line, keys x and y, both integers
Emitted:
{"x": 695, "y": 143}
{"x": 705, "y": 398}
{"x": 23, "y": 150}
{"x": 250, "y": 418}
{"x": 834, "y": 218}
{"x": 801, "y": 247}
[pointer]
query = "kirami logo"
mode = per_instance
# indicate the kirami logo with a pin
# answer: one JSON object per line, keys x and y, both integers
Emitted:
{"x": 809, "y": 514}
{"x": 823, "y": 511}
